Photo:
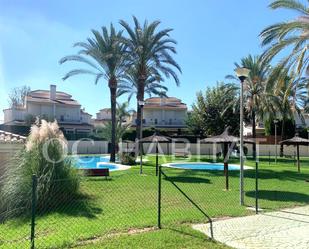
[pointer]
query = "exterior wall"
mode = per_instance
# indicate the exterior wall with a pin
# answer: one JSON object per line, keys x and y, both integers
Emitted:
{"x": 68, "y": 114}
{"x": 164, "y": 117}
{"x": 7, "y": 152}
{"x": 14, "y": 114}
{"x": 101, "y": 147}
{"x": 37, "y": 109}
{"x": 88, "y": 147}
{"x": 61, "y": 112}
{"x": 85, "y": 118}
{"x": 103, "y": 114}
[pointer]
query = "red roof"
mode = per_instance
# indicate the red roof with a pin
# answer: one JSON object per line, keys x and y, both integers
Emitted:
{"x": 164, "y": 103}
{"x": 43, "y": 96}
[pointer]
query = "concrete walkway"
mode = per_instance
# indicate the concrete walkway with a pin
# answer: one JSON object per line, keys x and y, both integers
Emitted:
{"x": 285, "y": 229}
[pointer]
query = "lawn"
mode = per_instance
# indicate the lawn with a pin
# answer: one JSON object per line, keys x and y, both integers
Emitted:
{"x": 122, "y": 212}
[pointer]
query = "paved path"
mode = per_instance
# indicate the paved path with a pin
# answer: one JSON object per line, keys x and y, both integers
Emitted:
{"x": 285, "y": 229}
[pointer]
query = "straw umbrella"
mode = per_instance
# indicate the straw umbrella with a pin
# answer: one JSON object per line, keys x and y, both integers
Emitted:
{"x": 127, "y": 142}
{"x": 226, "y": 139}
{"x": 155, "y": 138}
{"x": 296, "y": 141}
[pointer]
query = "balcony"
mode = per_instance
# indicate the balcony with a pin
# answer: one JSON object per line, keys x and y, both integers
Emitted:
{"x": 168, "y": 124}
{"x": 14, "y": 114}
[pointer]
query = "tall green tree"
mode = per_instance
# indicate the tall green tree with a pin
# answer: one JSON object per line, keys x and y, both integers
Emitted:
{"x": 150, "y": 52}
{"x": 291, "y": 93}
{"x": 212, "y": 111}
{"x": 291, "y": 36}
{"x": 256, "y": 98}
{"x": 129, "y": 85}
{"x": 106, "y": 57}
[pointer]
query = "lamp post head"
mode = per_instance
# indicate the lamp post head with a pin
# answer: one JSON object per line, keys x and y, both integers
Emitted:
{"x": 242, "y": 73}
{"x": 276, "y": 121}
{"x": 141, "y": 103}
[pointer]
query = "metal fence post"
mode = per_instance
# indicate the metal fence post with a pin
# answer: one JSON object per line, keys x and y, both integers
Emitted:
{"x": 33, "y": 209}
{"x": 159, "y": 198}
{"x": 256, "y": 187}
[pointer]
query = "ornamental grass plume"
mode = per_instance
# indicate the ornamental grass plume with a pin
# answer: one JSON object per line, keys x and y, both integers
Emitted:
{"x": 45, "y": 156}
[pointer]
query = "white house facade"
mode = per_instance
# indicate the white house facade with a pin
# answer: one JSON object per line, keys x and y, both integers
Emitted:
{"x": 169, "y": 113}
{"x": 51, "y": 105}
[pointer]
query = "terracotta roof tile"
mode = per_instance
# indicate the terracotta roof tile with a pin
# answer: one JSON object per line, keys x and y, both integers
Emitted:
{"x": 8, "y": 137}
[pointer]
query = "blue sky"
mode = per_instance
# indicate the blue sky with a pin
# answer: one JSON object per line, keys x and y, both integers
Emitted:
{"x": 211, "y": 35}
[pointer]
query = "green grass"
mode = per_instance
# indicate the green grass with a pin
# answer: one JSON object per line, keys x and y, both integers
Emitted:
{"x": 107, "y": 210}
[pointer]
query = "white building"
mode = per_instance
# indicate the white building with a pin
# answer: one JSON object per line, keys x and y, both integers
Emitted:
{"x": 168, "y": 113}
{"x": 51, "y": 105}
{"x": 103, "y": 116}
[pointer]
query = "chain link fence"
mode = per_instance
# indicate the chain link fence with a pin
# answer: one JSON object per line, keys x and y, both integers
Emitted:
{"x": 128, "y": 202}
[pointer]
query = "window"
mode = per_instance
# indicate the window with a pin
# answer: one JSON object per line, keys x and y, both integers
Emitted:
{"x": 156, "y": 121}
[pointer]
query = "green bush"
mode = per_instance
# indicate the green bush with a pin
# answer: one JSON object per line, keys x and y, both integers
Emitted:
{"x": 127, "y": 158}
{"x": 43, "y": 156}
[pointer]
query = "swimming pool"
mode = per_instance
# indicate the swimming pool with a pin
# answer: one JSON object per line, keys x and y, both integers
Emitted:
{"x": 97, "y": 162}
{"x": 203, "y": 166}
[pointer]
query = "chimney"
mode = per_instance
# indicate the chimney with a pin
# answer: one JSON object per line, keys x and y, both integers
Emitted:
{"x": 52, "y": 93}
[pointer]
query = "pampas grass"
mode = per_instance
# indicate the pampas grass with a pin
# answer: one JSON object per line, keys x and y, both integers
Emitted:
{"x": 43, "y": 156}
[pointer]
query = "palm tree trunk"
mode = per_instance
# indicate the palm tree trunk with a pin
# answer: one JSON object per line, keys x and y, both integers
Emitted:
{"x": 282, "y": 136}
{"x": 138, "y": 118}
{"x": 139, "y": 97}
{"x": 253, "y": 135}
{"x": 113, "y": 111}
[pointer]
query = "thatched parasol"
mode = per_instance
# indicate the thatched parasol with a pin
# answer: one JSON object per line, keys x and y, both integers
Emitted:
{"x": 127, "y": 142}
{"x": 155, "y": 138}
{"x": 226, "y": 139}
{"x": 296, "y": 141}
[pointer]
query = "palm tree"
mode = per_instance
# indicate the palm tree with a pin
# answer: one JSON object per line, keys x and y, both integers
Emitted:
{"x": 130, "y": 85}
{"x": 255, "y": 94}
{"x": 122, "y": 112}
{"x": 150, "y": 54}
{"x": 291, "y": 35}
{"x": 292, "y": 96}
{"x": 105, "y": 55}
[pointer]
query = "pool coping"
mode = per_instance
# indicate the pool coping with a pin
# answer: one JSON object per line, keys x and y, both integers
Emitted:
{"x": 121, "y": 166}
{"x": 169, "y": 165}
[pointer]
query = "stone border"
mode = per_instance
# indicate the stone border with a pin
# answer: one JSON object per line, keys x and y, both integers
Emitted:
{"x": 169, "y": 165}
{"x": 120, "y": 166}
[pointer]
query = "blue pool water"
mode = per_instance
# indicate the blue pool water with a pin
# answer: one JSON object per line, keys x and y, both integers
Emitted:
{"x": 92, "y": 162}
{"x": 201, "y": 166}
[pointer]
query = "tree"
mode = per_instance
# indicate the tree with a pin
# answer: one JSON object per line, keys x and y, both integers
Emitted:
{"x": 150, "y": 54}
{"x": 105, "y": 54}
{"x": 122, "y": 112}
{"x": 212, "y": 111}
{"x": 121, "y": 127}
{"x": 17, "y": 96}
{"x": 130, "y": 85}
{"x": 291, "y": 36}
{"x": 255, "y": 95}
{"x": 292, "y": 96}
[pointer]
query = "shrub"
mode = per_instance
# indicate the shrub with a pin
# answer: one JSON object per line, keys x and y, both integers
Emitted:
{"x": 43, "y": 156}
{"x": 127, "y": 158}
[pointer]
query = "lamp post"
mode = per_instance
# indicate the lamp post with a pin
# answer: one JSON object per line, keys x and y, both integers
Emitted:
{"x": 141, "y": 105}
{"x": 242, "y": 73}
{"x": 276, "y": 152}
